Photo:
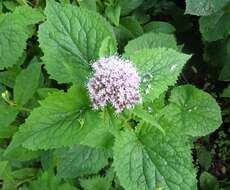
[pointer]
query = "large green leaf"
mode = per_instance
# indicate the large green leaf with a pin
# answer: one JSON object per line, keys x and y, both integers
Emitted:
{"x": 151, "y": 160}
{"x": 56, "y": 123}
{"x": 151, "y": 40}
{"x": 14, "y": 31}
{"x": 70, "y": 39}
{"x": 216, "y": 26}
{"x": 194, "y": 111}
{"x": 24, "y": 90}
{"x": 81, "y": 160}
{"x": 159, "y": 68}
{"x": 204, "y": 7}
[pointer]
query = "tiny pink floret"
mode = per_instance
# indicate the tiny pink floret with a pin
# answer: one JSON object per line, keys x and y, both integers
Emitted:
{"x": 115, "y": 81}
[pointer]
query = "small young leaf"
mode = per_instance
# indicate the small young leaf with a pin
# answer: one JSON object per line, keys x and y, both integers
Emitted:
{"x": 108, "y": 47}
{"x": 113, "y": 14}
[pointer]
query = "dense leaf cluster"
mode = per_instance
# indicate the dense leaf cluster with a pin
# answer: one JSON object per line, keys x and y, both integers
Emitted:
{"x": 52, "y": 138}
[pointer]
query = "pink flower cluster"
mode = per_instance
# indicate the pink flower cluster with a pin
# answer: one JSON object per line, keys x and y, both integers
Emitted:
{"x": 115, "y": 81}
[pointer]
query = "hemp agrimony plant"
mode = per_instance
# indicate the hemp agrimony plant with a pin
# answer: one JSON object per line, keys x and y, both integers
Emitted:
{"x": 93, "y": 116}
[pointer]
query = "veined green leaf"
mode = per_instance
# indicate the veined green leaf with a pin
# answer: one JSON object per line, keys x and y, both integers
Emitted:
{"x": 194, "y": 111}
{"x": 216, "y": 26}
{"x": 148, "y": 159}
{"x": 56, "y": 123}
{"x": 70, "y": 39}
{"x": 15, "y": 29}
{"x": 151, "y": 40}
{"x": 204, "y": 7}
{"x": 81, "y": 160}
{"x": 158, "y": 68}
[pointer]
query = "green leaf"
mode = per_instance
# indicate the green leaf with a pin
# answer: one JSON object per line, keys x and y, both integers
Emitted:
{"x": 204, "y": 7}
{"x": 226, "y": 92}
{"x": 96, "y": 183}
{"x": 216, "y": 26}
{"x": 88, "y": 4}
{"x": 24, "y": 173}
{"x": 132, "y": 25}
{"x": 81, "y": 160}
{"x": 70, "y": 39}
{"x": 7, "y": 114}
{"x": 24, "y": 90}
{"x": 14, "y": 31}
{"x": 123, "y": 35}
{"x": 5, "y": 170}
{"x": 208, "y": 182}
{"x": 151, "y": 160}
{"x": 9, "y": 76}
{"x": 44, "y": 92}
{"x": 108, "y": 47}
{"x": 113, "y": 12}
{"x": 151, "y": 40}
{"x": 159, "y": 68}
{"x": 7, "y": 131}
{"x": 18, "y": 153}
{"x": 56, "y": 123}
{"x": 146, "y": 118}
{"x": 102, "y": 125}
{"x": 10, "y": 5}
{"x": 204, "y": 157}
{"x": 159, "y": 26}
{"x": 225, "y": 72}
{"x": 48, "y": 181}
{"x": 128, "y": 6}
{"x": 194, "y": 111}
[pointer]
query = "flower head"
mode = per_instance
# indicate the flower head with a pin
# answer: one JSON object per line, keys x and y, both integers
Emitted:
{"x": 115, "y": 81}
